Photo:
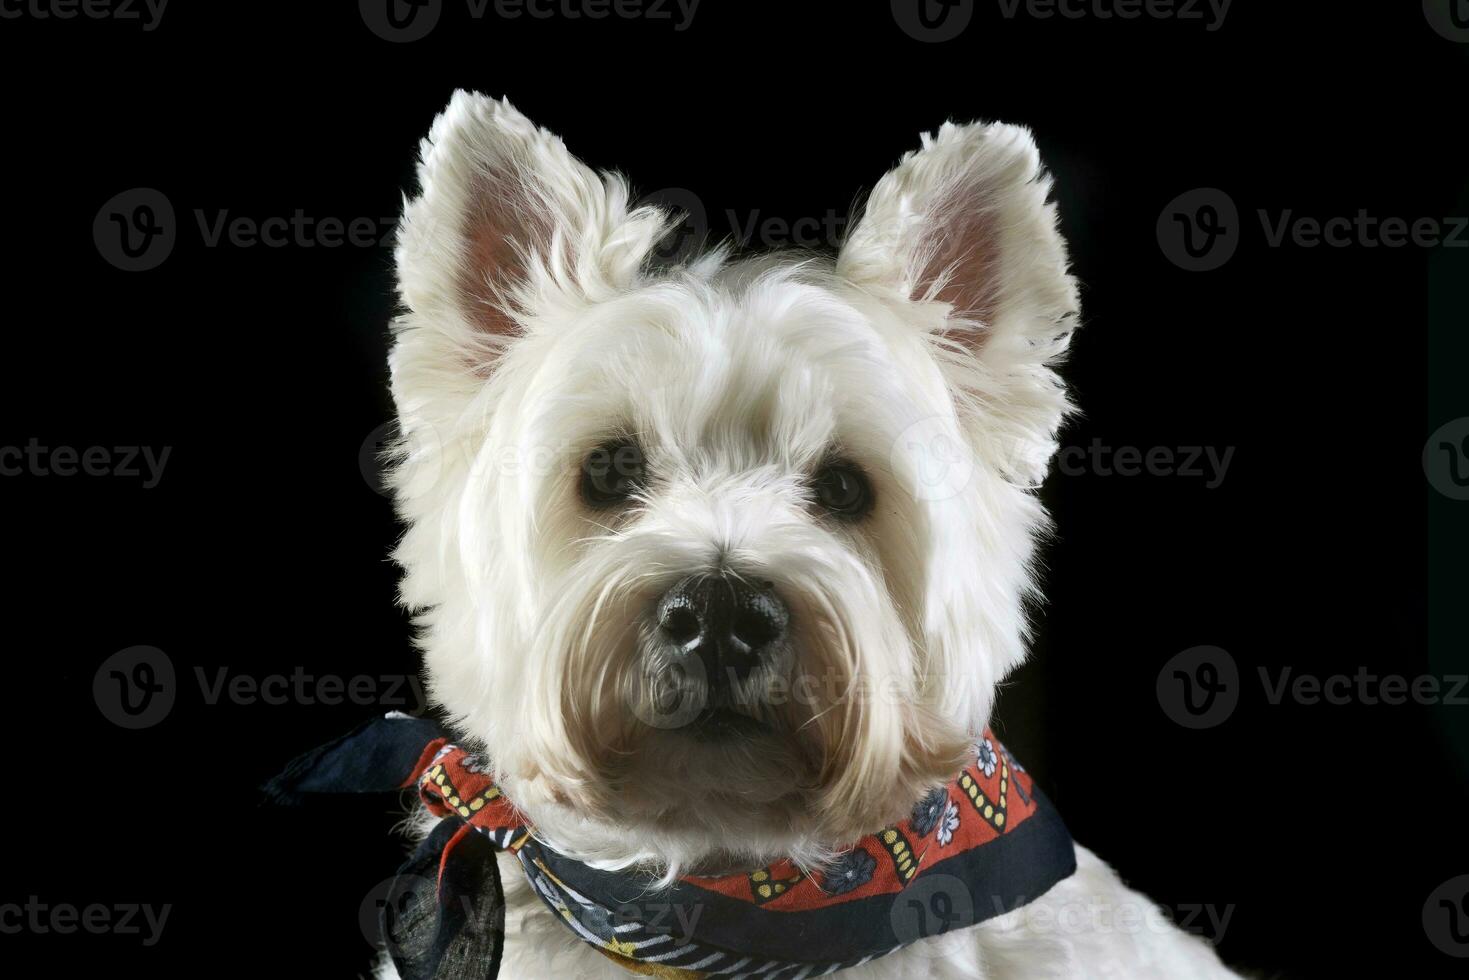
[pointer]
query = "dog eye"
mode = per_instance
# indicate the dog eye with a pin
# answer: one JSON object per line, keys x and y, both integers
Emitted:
{"x": 611, "y": 473}
{"x": 842, "y": 489}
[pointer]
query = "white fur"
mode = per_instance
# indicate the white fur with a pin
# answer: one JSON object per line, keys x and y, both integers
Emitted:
{"x": 534, "y": 329}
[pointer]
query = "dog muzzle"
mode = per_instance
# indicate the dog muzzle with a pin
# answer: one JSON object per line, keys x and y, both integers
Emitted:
{"x": 984, "y": 844}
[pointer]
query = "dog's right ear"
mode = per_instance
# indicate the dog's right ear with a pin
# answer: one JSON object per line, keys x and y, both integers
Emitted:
{"x": 507, "y": 228}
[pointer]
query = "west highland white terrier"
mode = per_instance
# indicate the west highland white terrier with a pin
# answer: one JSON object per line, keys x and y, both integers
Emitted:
{"x": 717, "y": 564}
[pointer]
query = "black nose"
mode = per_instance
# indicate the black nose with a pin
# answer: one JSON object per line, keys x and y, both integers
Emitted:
{"x": 730, "y": 623}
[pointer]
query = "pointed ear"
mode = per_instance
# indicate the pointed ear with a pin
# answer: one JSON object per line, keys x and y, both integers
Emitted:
{"x": 508, "y": 227}
{"x": 962, "y": 232}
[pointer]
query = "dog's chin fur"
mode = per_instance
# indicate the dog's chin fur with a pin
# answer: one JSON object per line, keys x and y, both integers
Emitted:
{"x": 536, "y": 328}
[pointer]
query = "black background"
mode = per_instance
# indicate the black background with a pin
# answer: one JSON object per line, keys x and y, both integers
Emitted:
{"x": 263, "y": 549}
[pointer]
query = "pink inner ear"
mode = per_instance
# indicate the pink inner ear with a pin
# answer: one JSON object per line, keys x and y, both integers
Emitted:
{"x": 962, "y": 251}
{"x": 499, "y": 230}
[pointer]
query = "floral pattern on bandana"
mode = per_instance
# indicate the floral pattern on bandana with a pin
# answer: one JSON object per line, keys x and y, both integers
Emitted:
{"x": 985, "y": 752}
{"x": 949, "y": 823}
{"x": 928, "y": 810}
{"x": 851, "y": 870}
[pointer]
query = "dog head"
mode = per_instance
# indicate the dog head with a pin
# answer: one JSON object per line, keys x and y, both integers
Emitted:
{"x": 725, "y": 558}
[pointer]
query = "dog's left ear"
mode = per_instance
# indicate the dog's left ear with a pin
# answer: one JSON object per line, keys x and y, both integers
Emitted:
{"x": 961, "y": 234}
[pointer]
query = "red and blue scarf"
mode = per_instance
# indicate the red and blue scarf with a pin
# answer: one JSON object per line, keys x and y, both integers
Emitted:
{"x": 983, "y": 844}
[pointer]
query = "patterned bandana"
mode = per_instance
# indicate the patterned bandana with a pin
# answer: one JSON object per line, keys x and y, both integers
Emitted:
{"x": 984, "y": 844}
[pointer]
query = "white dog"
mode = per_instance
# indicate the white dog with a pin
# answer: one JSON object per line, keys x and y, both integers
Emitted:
{"x": 794, "y": 493}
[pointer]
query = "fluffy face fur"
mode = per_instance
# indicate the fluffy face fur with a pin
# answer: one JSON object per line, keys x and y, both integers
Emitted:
{"x": 536, "y": 330}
